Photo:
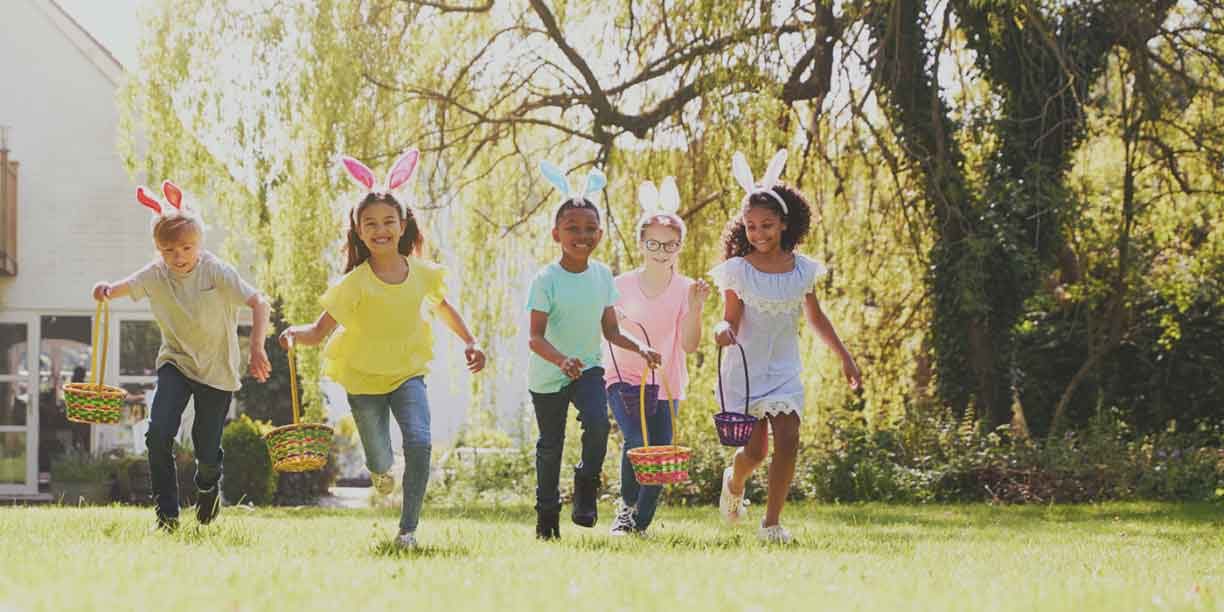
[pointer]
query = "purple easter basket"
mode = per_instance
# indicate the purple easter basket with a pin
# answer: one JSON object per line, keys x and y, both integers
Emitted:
{"x": 734, "y": 428}
{"x": 631, "y": 394}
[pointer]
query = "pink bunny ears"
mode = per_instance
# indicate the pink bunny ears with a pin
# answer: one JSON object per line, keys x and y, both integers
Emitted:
{"x": 173, "y": 194}
{"x": 401, "y": 171}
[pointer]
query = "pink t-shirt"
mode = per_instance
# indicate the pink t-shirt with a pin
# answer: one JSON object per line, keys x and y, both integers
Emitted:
{"x": 661, "y": 316}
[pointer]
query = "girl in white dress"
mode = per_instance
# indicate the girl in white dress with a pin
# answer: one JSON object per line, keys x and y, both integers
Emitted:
{"x": 767, "y": 286}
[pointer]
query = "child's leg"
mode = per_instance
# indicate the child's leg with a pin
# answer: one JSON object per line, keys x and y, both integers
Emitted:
{"x": 211, "y": 406}
{"x": 782, "y": 468}
{"x": 591, "y": 400}
{"x": 747, "y": 459}
{"x": 659, "y": 425}
{"x": 550, "y": 410}
{"x": 169, "y": 400}
{"x": 410, "y": 405}
{"x": 631, "y": 431}
{"x": 371, "y": 413}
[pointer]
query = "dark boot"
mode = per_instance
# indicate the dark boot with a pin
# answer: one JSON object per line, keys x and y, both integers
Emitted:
{"x": 168, "y": 524}
{"x": 586, "y": 494}
{"x": 548, "y": 524}
{"x": 208, "y": 504}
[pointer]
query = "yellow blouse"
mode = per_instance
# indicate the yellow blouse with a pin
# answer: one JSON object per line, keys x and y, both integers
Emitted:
{"x": 385, "y": 337}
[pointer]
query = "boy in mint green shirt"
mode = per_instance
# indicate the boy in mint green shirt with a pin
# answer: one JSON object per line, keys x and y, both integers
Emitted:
{"x": 570, "y": 303}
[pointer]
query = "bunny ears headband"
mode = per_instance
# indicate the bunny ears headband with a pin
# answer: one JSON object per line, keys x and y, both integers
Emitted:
{"x": 173, "y": 194}
{"x": 743, "y": 176}
{"x": 662, "y": 200}
{"x": 595, "y": 181}
{"x": 401, "y": 171}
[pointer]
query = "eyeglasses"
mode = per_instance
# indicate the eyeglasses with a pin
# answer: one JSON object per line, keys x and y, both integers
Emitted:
{"x": 655, "y": 245}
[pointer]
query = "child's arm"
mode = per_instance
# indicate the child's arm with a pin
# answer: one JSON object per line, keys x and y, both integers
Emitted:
{"x": 450, "y": 316}
{"x": 309, "y": 334}
{"x": 824, "y": 328}
{"x": 690, "y": 326}
{"x": 260, "y": 366}
{"x": 109, "y": 291}
{"x": 733, "y": 310}
{"x": 612, "y": 332}
{"x": 571, "y": 366}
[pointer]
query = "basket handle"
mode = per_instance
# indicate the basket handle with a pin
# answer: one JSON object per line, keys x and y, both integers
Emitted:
{"x": 722, "y": 401}
{"x": 101, "y": 323}
{"x": 612, "y": 352}
{"x": 293, "y": 390}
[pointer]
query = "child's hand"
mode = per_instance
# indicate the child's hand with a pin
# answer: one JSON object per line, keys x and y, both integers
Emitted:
{"x": 652, "y": 357}
{"x": 723, "y": 336}
{"x": 475, "y": 357}
{"x": 289, "y": 335}
{"x": 698, "y": 292}
{"x": 572, "y": 367}
{"x": 852, "y": 373}
{"x": 260, "y": 366}
{"x": 101, "y": 291}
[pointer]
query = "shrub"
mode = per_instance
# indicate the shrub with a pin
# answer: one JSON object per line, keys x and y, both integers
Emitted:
{"x": 248, "y": 468}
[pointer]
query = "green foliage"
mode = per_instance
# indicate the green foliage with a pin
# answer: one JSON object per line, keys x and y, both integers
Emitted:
{"x": 249, "y": 477}
{"x": 77, "y": 465}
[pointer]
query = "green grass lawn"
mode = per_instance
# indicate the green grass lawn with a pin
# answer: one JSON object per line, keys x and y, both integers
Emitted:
{"x": 875, "y": 557}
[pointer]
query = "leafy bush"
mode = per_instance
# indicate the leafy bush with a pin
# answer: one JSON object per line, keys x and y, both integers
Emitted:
{"x": 248, "y": 468}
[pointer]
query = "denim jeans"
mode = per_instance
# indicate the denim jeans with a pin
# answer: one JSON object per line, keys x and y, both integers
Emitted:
{"x": 588, "y": 396}
{"x": 169, "y": 401}
{"x": 409, "y": 404}
{"x": 659, "y": 425}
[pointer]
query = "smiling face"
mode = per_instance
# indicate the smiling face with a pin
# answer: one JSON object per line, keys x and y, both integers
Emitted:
{"x": 578, "y": 232}
{"x": 655, "y": 243}
{"x": 182, "y": 253}
{"x": 380, "y": 227}
{"x": 764, "y": 227}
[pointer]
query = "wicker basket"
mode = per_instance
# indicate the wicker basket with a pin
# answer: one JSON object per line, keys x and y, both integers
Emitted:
{"x": 659, "y": 465}
{"x": 299, "y": 447}
{"x": 94, "y": 402}
{"x": 734, "y": 428}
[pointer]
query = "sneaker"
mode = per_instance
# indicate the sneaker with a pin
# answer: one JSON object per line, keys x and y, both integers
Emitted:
{"x": 384, "y": 483}
{"x": 167, "y": 524}
{"x": 406, "y": 540}
{"x": 586, "y": 491}
{"x": 774, "y": 534}
{"x": 548, "y": 525}
{"x": 731, "y": 506}
{"x": 623, "y": 524}
{"x": 208, "y": 505}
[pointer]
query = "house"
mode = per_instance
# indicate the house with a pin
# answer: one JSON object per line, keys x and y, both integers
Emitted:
{"x": 68, "y": 218}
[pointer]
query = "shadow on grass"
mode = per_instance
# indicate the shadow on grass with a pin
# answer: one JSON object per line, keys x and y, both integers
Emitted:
{"x": 387, "y": 549}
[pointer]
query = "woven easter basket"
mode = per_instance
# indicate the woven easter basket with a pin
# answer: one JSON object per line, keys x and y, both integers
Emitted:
{"x": 734, "y": 428}
{"x": 94, "y": 402}
{"x": 298, "y": 447}
{"x": 663, "y": 464}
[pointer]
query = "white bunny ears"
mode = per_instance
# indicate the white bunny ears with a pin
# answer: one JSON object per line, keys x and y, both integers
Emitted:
{"x": 743, "y": 176}
{"x": 401, "y": 171}
{"x": 664, "y": 199}
{"x": 594, "y": 182}
{"x": 173, "y": 194}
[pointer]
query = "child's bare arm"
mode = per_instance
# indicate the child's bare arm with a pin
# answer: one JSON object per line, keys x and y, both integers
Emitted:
{"x": 110, "y": 291}
{"x": 824, "y": 328}
{"x": 453, "y": 320}
{"x": 309, "y": 334}
{"x": 260, "y": 366}
{"x": 541, "y": 346}
{"x": 613, "y": 334}
{"x": 733, "y": 310}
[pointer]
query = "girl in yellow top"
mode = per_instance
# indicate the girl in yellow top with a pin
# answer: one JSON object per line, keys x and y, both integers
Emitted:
{"x": 383, "y": 348}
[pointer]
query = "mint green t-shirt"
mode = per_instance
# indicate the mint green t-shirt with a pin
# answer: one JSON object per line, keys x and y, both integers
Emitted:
{"x": 575, "y": 305}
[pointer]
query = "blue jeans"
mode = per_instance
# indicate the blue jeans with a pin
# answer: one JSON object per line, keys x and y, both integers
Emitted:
{"x": 410, "y": 406}
{"x": 588, "y": 396}
{"x": 659, "y": 425}
{"x": 169, "y": 401}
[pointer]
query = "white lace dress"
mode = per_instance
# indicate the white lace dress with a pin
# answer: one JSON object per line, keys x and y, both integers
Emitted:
{"x": 768, "y": 332}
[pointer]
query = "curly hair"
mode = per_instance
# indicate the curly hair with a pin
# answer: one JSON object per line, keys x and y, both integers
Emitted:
{"x": 575, "y": 203}
{"x": 355, "y": 250}
{"x": 798, "y": 221}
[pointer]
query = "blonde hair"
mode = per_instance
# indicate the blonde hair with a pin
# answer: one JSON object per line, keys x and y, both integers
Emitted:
{"x": 670, "y": 220}
{"x": 172, "y": 227}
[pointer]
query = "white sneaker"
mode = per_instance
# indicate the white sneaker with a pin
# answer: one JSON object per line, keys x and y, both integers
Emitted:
{"x": 776, "y": 534}
{"x": 730, "y": 506}
{"x": 384, "y": 483}
{"x": 406, "y": 541}
{"x": 623, "y": 524}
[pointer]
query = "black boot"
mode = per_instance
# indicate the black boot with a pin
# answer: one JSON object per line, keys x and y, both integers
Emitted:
{"x": 548, "y": 524}
{"x": 167, "y": 524}
{"x": 208, "y": 504}
{"x": 586, "y": 493}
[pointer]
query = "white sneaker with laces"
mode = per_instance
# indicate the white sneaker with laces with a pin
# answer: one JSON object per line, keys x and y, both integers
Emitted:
{"x": 406, "y": 541}
{"x": 623, "y": 524}
{"x": 775, "y": 534}
{"x": 384, "y": 483}
{"x": 731, "y": 506}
